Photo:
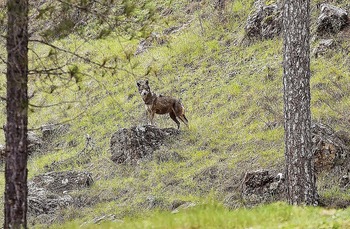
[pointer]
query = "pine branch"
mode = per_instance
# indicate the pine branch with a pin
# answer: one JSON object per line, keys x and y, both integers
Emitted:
{"x": 73, "y": 54}
{"x": 52, "y": 105}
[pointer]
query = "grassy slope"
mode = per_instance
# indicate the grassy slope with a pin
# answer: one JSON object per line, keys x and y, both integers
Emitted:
{"x": 233, "y": 97}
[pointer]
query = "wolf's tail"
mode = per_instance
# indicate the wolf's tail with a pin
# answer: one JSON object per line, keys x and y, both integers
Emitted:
{"x": 185, "y": 118}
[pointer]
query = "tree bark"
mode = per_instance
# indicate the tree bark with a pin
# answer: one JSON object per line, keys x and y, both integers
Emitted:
{"x": 300, "y": 176}
{"x": 17, "y": 115}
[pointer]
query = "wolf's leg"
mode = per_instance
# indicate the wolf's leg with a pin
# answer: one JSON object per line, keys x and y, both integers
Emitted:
{"x": 179, "y": 110}
{"x": 173, "y": 117}
{"x": 151, "y": 117}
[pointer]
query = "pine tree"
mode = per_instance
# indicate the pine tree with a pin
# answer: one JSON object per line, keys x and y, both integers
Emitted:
{"x": 17, "y": 115}
{"x": 300, "y": 176}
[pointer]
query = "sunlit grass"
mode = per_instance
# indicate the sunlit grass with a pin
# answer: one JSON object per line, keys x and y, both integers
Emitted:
{"x": 278, "y": 215}
{"x": 37, "y": 164}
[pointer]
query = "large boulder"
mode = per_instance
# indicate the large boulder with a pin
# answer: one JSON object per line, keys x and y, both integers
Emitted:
{"x": 331, "y": 20}
{"x": 330, "y": 148}
{"x": 50, "y": 191}
{"x": 265, "y": 22}
{"x": 262, "y": 186}
{"x": 62, "y": 182}
{"x": 42, "y": 201}
{"x": 131, "y": 145}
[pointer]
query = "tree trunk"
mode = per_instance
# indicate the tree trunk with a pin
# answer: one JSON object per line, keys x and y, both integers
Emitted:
{"x": 300, "y": 176}
{"x": 17, "y": 115}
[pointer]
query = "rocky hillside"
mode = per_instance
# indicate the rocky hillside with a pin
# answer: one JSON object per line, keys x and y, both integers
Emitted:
{"x": 94, "y": 159}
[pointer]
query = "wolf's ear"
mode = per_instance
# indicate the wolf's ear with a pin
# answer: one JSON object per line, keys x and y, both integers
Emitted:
{"x": 138, "y": 83}
{"x": 146, "y": 82}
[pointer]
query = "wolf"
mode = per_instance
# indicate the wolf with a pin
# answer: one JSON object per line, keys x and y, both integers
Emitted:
{"x": 160, "y": 104}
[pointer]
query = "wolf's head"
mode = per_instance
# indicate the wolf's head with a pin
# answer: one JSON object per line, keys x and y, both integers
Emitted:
{"x": 144, "y": 88}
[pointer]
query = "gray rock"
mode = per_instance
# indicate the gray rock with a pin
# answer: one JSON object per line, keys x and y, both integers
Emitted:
{"x": 323, "y": 46}
{"x": 50, "y": 191}
{"x": 50, "y": 131}
{"x": 344, "y": 182}
{"x": 62, "y": 182}
{"x": 42, "y": 201}
{"x": 265, "y": 22}
{"x": 260, "y": 186}
{"x": 330, "y": 148}
{"x": 131, "y": 145}
{"x": 35, "y": 143}
{"x": 331, "y": 20}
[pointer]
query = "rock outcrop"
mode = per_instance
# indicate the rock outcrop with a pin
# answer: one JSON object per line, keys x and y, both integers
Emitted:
{"x": 323, "y": 46}
{"x": 331, "y": 20}
{"x": 330, "y": 148}
{"x": 332, "y": 164}
{"x": 62, "y": 182}
{"x": 51, "y": 131}
{"x": 261, "y": 186}
{"x": 50, "y": 191}
{"x": 265, "y": 22}
{"x": 344, "y": 182}
{"x": 131, "y": 145}
{"x": 41, "y": 201}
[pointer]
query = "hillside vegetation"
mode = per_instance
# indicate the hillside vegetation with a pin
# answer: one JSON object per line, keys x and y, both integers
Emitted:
{"x": 233, "y": 93}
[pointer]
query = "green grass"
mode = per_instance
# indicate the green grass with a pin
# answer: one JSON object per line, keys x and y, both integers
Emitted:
{"x": 277, "y": 215}
{"x": 233, "y": 98}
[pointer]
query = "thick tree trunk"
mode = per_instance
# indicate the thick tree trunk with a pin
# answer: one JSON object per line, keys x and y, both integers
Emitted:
{"x": 17, "y": 115}
{"x": 301, "y": 181}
